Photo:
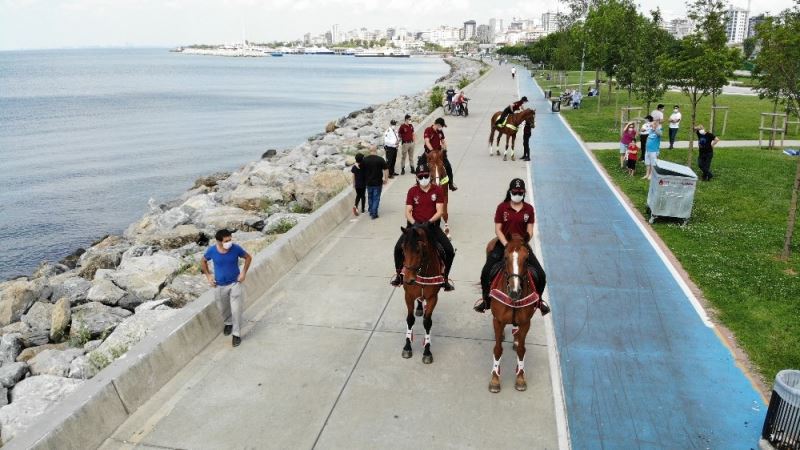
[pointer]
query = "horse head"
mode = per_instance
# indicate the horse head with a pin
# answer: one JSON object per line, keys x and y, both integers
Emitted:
{"x": 516, "y": 267}
{"x": 527, "y": 115}
{"x": 415, "y": 245}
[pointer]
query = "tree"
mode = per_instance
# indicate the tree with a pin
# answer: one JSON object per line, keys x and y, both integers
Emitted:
{"x": 749, "y": 47}
{"x": 702, "y": 62}
{"x": 649, "y": 82}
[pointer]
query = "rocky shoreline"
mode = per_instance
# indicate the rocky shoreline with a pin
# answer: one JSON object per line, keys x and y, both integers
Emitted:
{"x": 69, "y": 320}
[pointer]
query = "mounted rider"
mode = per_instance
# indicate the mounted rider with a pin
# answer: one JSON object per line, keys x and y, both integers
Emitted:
{"x": 511, "y": 109}
{"x": 425, "y": 204}
{"x": 513, "y": 216}
{"x": 435, "y": 140}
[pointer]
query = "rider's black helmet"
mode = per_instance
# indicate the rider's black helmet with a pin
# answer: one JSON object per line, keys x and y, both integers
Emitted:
{"x": 524, "y": 99}
{"x": 423, "y": 169}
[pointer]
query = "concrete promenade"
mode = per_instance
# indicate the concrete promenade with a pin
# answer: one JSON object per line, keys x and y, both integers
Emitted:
{"x": 320, "y": 365}
{"x": 642, "y": 366}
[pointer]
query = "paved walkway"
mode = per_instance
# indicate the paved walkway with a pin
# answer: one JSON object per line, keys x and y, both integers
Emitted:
{"x": 685, "y": 144}
{"x": 320, "y": 364}
{"x": 642, "y": 367}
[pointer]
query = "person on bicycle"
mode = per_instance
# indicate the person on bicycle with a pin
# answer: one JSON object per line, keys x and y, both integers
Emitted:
{"x": 511, "y": 109}
{"x": 450, "y": 93}
{"x": 458, "y": 102}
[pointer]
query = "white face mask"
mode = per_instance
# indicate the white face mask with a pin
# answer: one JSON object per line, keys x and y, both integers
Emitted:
{"x": 517, "y": 198}
{"x": 701, "y": 131}
{"x": 675, "y": 110}
{"x": 424, "y": 181}
{"x": 227, "y": 245}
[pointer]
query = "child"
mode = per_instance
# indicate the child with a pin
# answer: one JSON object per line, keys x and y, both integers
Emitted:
{"x": 633, "y": 152}
{"x": 359, "y": 183}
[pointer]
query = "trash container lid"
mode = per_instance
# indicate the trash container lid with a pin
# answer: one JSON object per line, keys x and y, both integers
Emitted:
{"x": 787, "y": 386}
{"x": 669, "y": 168}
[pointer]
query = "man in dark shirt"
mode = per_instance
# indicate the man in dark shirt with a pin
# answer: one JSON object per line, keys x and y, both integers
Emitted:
{"x": 705, "y": 145}
{"x": 376, "y": 174}
{"x": 435, "y": 140}
{"x": 526, "y": 137}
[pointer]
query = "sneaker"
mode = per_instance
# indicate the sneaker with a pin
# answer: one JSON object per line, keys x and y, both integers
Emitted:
{"x": 398, "y": 280}
{"x": 226, "y": 330}
{"x": 236, "y": 341}
{"x": 355, "y": 211}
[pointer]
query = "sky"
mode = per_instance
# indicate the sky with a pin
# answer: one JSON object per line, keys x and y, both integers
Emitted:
{"x": 34, "y": 24}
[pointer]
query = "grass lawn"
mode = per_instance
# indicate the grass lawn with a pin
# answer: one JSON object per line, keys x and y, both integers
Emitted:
{"x": 744, "y": 116}
{"x": 731, "y": 244}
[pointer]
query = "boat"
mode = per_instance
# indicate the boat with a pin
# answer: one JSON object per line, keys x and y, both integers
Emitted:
{"x": 383, "y": 53}
{"x": 277, "y": 53}
{"x": 319, "y": 51}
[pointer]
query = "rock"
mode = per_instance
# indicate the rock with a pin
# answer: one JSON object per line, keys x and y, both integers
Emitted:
{"x": 3, "y": 397}
{"x": 198, "y": 203}
{"x": 30, "y": 398}
{"x": 35, "y": 337}
{"x": 105, "y": 292}
{"x": 230, "y": 218}
{"x": 327, "y": 150}
{"x": 211, "y": 180}
{"x": 322, "y": 187}
{"x": 105, "y": 255}
{"x": 271, "y": 153}
{"x": 70, "y": 286}
{"x": 15, "y": 298}
{"x": 30, "y": 352}
{"x": 60, "y": 320}
{"x": 172, "y": 238}
{"x": 71, "y": 260}
{"x": 185, "y": 289}
{"x": 151, "y": 305}
{"x": 53, "y": 362}
{"x": 137, "y": 251}
{"x": 253, "y": 198}
{"x": 144, "y": 276}
{"x": 92, "y": 345}
{"x": 94, "y": 319}
{"x": 10, "y": 347}
{"x": 277, "y": 220}
{"x": 11, "y": 373}
{"x": 42, "y": 289}
{"x": 39, "y": 317}
{"x": 330, "y": 127}
{"x": 16, "y": 327}
{"x": 80, "y": 368}
{"x": 47, "y": 269}
{"x": 130, "y": 302}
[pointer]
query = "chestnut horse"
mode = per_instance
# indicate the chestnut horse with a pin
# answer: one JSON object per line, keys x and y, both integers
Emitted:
{"x": 514, "y": 301}
{"x": 422, "y": 278}
{"x": 439, "y": 177}
{"x": 509, "y": 129}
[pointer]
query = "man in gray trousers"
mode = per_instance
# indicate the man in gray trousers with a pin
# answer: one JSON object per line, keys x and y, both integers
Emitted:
{"x": 227, "y": 280}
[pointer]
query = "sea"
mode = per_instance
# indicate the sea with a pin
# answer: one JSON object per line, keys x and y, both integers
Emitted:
{"x": 88, "y": 136}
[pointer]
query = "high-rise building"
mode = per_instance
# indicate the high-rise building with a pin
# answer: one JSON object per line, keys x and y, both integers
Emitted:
{"x": 679, "y": 28}
{"x": 336, "y": 35}
{"x": 485, "y": 34}
{"x": 550, "y": 21}
{"x": 470, "y": 29}
{"x": 737, "y": 25}
{"x": 753, "y": 22}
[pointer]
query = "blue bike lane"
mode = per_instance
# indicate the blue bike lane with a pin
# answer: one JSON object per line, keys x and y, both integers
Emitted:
{"x": 641, "y": 365}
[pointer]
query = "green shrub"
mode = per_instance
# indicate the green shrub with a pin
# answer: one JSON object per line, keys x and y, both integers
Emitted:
{"x": 283, "y": 226}
{"x": 436, "y": 98}
{"x": 300, "y": 209}
{"x": 463, "y": 82}
{"x": 81, "y": 336}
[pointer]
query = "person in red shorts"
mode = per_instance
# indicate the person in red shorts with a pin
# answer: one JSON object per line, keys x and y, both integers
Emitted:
{"x": 425, "y": 204}
{"x": 513, "y": 216}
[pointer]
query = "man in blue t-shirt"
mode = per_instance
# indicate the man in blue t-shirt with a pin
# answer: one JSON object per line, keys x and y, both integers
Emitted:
{"x": 227, "y": 280}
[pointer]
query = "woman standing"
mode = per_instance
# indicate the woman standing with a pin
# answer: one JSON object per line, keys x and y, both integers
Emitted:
{"x": 627, "y": 136}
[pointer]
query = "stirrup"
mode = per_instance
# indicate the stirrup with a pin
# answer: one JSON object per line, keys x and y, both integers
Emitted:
{"x": 398, "y": 280}
{"x": 480, "y": 306}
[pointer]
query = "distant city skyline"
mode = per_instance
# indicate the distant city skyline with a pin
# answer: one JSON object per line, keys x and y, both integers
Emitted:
{"x": 32, "y": 24}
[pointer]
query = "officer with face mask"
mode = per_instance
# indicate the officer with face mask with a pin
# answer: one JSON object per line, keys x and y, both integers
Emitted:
{"x": 425, "y": 204}
{"x": 513, "y": 216}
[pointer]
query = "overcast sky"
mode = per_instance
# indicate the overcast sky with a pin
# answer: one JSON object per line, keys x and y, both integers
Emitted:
{"x": 85, "y": 23}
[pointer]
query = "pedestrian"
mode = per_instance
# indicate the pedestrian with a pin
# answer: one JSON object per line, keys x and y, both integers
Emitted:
{"x": 576, "y": 99}
{"x": 359, "y": 183}
{"x": 390, "y": 141}
{"x": 376, "y": 174}
{"x": 705, "y": 144}
{"x": 227, "y": 281}
{"x": 526, "y": 137}
{"x": 627, "y": 136}
{"x": 633, "y": 151}
{"x": 674, "y": 125}
{"x": 407, "y": 145}
{"x": 644, "y": 131}
{"x": 653, "y": 147}
{"x": 435, "y": 140}
{"x": 658, "y": 113}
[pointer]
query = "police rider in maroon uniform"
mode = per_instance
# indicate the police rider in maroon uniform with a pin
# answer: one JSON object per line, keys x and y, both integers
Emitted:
{"x": 511, "y": 109}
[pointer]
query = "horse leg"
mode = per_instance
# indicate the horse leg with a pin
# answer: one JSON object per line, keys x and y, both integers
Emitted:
{"x": 497, "y": 144}
{"x": 409, "y": 328}
{"x": 491, "y": 139}
{"x": 494, "y": 383}
{"x": 418, "y": 312}
{"x": 514, "y": 331}
{"x": 505, "y": 153}
{"x": 513, "y": 149}
{"x": 427, "y": 321}
{"x": 520, "y": 383}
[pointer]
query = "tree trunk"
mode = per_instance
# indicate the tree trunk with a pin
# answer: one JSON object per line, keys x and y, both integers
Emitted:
{"x": 616, "y": 108}
{"x": 610, "y": 88}
{"x": 787, "y": 242}
{"x": 597, "y": 80}
{"x": 598, "y": 96}
{"x": 713, "y": 120}
{"x": 691, "y": 132}
{"x": 774, "y": 119}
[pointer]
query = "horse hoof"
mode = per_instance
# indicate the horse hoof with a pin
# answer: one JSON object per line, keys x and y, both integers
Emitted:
{"x": 513, "y": 158}
{"x": 494, "y": 388}
{"x": 521, "y": 386}
{"x": 418, "y": 312}
{"x": 427, "y": 359}
{"x": 505, "y": 158}
{"x": 514, "y": 346}
{"x": 498, "y": 153}
{"x": 407, "y": 354}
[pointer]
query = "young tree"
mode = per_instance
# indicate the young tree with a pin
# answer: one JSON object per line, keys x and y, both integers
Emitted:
{"x": 649, "y": 82}
{"x": 702, "y": 63}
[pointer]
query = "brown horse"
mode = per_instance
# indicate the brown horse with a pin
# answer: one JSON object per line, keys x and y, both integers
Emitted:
{"x": 422, "y": 277}
{"x": 514, "y": 301}
{"x": 439, "y": 176}
{"x": 509, "y": 129}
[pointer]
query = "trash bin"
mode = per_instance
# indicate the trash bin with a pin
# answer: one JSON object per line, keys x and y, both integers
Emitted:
{"x": 555, "y": 104}
{"x": 548, "y": 93}
{"x": 782, "y": 424}
{"x": 671, "y": 192}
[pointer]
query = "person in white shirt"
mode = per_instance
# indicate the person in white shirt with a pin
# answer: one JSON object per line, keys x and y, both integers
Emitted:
{"x": 658, "y": 113}
{"x": 576, "y": 99}
{"x": 674, "y": 124}
{"x": 390, "y": 142}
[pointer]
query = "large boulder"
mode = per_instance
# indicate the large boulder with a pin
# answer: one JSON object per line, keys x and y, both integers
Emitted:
{"x": 60, "y": 320}
{"x": 11, "y": 373}
{"x": 39, "y": 316}
{"x": 10, "y": 347}
{"x": 106, "y": 254}
{"x": 94, "y": 319}
{"x": 29, "y": 336}
{"x": 70, "y": 286}
{"x": 171, "y": 238}
{"x": 53, "y": 362}
{"x": 279, "y": 220}
{"x": 211, "y": 180}
{"x": 253, "y": 198}
{"x": 30, "y": 352}
{"x": 322, "y": 187}
{"x": 229, "y": 217}
{"x": 144, "y": 276}
{"x": 105, "y": 292}
{"x": 15, "y": 298}
{"x": 185, "y": 289}
{"x": 30, "y": 398}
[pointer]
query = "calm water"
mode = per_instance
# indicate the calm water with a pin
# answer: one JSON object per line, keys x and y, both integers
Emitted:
{"x": 87, "y": 136}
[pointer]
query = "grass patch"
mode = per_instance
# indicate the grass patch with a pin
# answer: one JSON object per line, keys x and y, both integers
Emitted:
{"x": 463, "y": 82}
{"x": 731, "y": 244}
{"x": 300, "y": 209}
{"x": 283, "y": 226}
{"x": 744, "y": 116}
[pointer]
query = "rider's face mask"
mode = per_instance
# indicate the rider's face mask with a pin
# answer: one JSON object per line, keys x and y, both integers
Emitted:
{"x": 517, "y": 196}
{"x": 424, "y": 180}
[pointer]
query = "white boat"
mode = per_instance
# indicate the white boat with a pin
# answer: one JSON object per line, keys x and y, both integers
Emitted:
{"x": 319, "y": 51}
{"x": 382, "y": 53}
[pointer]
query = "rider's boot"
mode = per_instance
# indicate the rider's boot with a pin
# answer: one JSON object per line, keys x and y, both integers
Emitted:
{"x": 398, "y": 280}
{"x": 447, "y": 285}
{"x": 544, "y": 308}
{"x": 481, "y": 305}
{"x": 452, "y": 186}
